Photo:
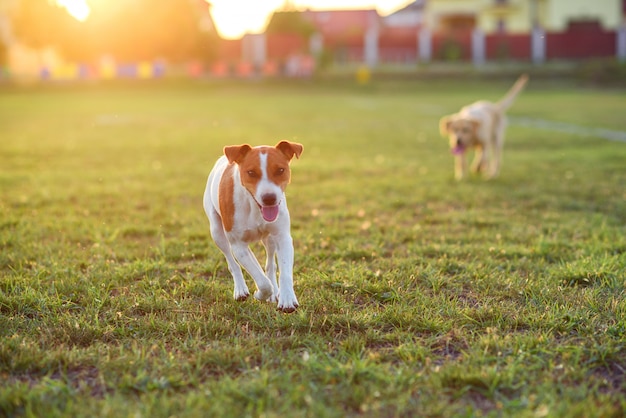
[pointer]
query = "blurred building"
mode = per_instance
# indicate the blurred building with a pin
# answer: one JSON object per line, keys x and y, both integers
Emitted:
{"x": 457, "y": 30}
{"x": 411, "y": 15}
{"x": 421, "y": 31}
{"x": 522, "y": 16}
{"x": 344, "y": 37}
{"x": 535, "y": 30}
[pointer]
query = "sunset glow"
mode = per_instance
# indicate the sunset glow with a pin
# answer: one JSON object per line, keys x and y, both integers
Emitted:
{"x": 235, "y": 18}
{"x": 79, "y": 9}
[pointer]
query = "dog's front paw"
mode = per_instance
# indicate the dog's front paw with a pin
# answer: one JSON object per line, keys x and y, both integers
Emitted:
{"x": 241, "y": 295}
{"x": 287, "y": 304}
{"x": 288, "y": 309}
{"x": 491, "y": 175}
{"x": 264, "y": 294}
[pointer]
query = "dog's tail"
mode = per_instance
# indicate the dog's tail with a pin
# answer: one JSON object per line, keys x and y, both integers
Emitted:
{"x": 510, "y": 96}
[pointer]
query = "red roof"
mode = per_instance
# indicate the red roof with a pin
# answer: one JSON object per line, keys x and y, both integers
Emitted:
{"x": 342, "y": 21}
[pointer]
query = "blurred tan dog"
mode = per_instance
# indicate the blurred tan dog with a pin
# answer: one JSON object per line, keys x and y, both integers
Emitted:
{"x": 480, "y": 126}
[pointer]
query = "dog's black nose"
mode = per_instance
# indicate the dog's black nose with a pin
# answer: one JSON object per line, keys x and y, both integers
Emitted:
{"x": 268, "y": 199}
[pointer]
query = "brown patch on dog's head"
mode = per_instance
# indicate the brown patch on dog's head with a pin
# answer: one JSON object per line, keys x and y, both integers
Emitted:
{"x": 290, "y": 149}
{"x": 236, "y": 153}
{"x": 264, "y": 172}
{"x": 278, "y": 159}
{"x": 276, "y": 164}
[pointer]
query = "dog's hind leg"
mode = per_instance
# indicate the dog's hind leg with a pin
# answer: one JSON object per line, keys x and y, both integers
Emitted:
{"x": 248, "y": 261}
{"x": 241, "y": 291}
{"x": 270, "y": 265}
{"x": 496, "y": 161}
{"x": 496, "y": 149}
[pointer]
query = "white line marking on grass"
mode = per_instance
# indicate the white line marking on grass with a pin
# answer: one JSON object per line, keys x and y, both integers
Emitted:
{"x": 570, "y": 128}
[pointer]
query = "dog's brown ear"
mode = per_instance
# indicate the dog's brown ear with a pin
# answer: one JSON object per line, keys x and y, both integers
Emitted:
{"x": 235, "y": 153}
{"x": 290, "y": 149}
{"x": 444, "y": 125}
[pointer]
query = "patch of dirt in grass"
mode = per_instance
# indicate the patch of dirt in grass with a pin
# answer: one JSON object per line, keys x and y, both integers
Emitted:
{"x": 612, "y": 377}
{"x": 585, "y": 279}
{"x": 482, "y": 402}
{"x": 468, "y": 299}
{"x": 85, "y": 379}
{"x": 450, "y": 346}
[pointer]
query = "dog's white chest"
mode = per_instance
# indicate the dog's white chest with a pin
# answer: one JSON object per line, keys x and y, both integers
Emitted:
{"x": 255, "y": 234}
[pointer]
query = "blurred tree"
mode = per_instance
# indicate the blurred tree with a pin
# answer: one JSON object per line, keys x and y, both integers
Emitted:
{"x": 290, "y": 21}
{"x": 40, "y": 23}
{"x": 4, "y": 52}
{"x": 128, "y": 30}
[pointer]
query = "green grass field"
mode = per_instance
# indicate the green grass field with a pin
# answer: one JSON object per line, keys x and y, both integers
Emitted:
{"x": 419, "y": 295}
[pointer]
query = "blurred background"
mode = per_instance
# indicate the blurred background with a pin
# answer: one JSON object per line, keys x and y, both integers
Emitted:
{"x": 62, "y": 40}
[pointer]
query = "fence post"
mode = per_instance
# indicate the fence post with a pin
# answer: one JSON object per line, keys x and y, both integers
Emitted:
{"x": 621, "y": 43}
{"x": 478, "y": 47}
{"x": 316, "y": 44}
{"x": 538, "y": 45}
{"x": 370, "y": 53}
{"x": 253, "y": 49}
{"x": 424, "y": 45}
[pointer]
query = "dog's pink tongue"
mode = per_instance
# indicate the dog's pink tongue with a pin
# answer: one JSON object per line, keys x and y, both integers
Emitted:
{"x": 458, "y": 150}
{"x": 270, "y": 213}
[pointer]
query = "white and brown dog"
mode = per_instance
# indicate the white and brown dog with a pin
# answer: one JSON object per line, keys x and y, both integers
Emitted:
{"x": 480, "y": 126}
{"x": 245, "y": 202}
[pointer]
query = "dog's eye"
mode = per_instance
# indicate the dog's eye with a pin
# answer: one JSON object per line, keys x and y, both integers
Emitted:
{"x": 280, "y": 171}
{"x": 251, "y": 173}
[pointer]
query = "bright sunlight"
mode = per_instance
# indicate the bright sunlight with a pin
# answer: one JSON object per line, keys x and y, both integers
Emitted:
{"x": 79, "y": 9}
{"x": 234, "y": 18}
